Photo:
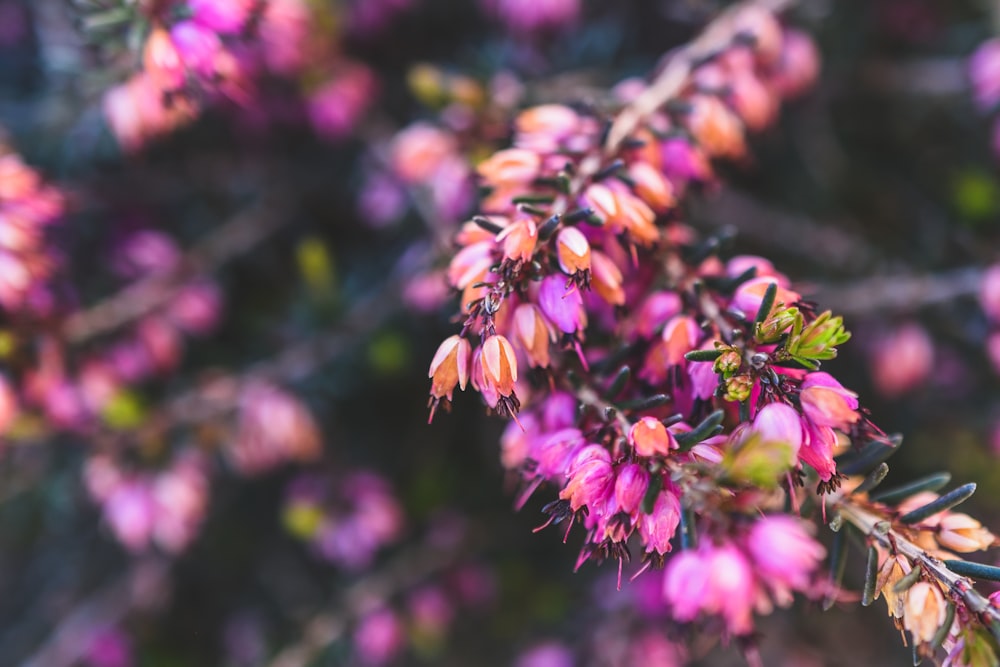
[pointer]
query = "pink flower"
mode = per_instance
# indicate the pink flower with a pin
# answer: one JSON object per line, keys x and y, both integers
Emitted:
{"x": 130, "y": 511}
{"x": 274, "y": 427}
{"x": 655, "y": 311}
{"x": 686, "y": 585}
{"x": 826, "y": 402}
{"x": 548, "y": 654}
{"x": 379, "y": 637}
{"x": 630, "y": 487}
{"x": 779, "y": 422}
{"x": 989, "y": 293}
{"x": 659, "y": 526}
{"x": 222, "y": 16}
{"x": 902, "y": 360}
{"x": 784, "y": 554}
{"x": 817, "y": 450}
{"x": 563, "y": 307}
{"x": 591, "y": 478}
{"x": 534, "y": 15}
{"x": 649, "y": 437}
{"x": 984, "y": 72}
{"x": 750, "y": 294}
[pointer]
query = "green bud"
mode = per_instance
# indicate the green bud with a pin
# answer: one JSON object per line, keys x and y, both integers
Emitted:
{"x": 758, "y": 462}
{"x": 728, "y": 362}
{"x": 738, "y": 388}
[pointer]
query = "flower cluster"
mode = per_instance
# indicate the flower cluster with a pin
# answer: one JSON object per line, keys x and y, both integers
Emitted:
{"x": 669, "y": 395}
{"x": 218, "y": 53}
{"x": 164, "y": 507}
{"x": 27, "y": 259}
{"x": 348, "y": 529}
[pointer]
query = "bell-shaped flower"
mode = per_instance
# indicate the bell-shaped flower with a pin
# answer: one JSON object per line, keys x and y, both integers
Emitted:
{"x": 499, "y": 365}
{"x": 534, "y": 334}
{"x": 607, "y": 279}
{"x": 563, "y": 307}
{"x": 450, "y": 367}
{"x": 649, "y": 437}
{"x": 784, "y": 553}
{"x": 962, "y": 533}
{"x": 573, "y": 251}
{"x": 780, "y": 422}
{"x": 659, "y": 526}
{"x": 510, "y": 167}
{"x": 518, "y": 239}
{"x": 630, "y": 487}
{"x": 826, "y": 402}
{"x": 924, "y": 611}
{"x": 591, "y": 479}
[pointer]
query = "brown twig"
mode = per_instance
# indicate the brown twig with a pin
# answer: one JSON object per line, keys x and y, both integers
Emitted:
{"x": 676, "y": 74}
{"x": 900, "y": 293}
{"x": 407, "y": 570}
{"x": 232, "y": 239}
{"x": 871, "y": 526}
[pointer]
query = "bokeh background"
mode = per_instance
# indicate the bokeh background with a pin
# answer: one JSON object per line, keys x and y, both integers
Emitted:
{"x": 281, "y": 212}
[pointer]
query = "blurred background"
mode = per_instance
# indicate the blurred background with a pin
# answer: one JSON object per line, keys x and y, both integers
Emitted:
{"x": 218, "y": 308}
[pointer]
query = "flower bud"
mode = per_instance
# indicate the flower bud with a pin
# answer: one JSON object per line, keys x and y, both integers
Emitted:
{"x": 738, "y": 388}
{"x": 716, "y": 128}
{"x": 650, "y": 437}
{"x": 728, "y": 362}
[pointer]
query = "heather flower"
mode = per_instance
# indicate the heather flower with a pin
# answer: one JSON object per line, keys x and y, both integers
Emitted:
{"x": 785, "y": 555}
{"x": 924, "y": 611}
{"x": 780, "y": 422}
{"x": 573, "y": 251}
{"x": 273, "y": 427}
{"x": 548, "y": 654}
{"x": 989, "y": 287}
{"x": 419, "y": 150}
{"x": 431, "y": 610}
{"x": 512, "y": 167}
{"x": 606, "y": 279}
{"x": 649, "y": 437}
{"x": 656, "y": 310}
{"x": 715, "y": 581}
{"x": 659, "y": 526}
{"x": 108, "y": 647}
{"x": 826, "y": 403}
{"x": 450, "y": 367}
{"x": 221, "y": 16}
{"x": 902, "y": 360}
{"x": 630, "y": 487}
{"x": 798, "y": 64}
{"x": 749, "y": 295}
{"x": 131, "y": 512}
{"x": 336, "y": 107}
{"x": 379, "y": 637}
{"x": 499, "y": 365}
{"x": 533, "y": 333}
{"x": 561, "y": 305}
{"x": 962, "y": 533}
{"x": 534, "y": 15}
{"x": 591, "y": 478}
{"x": 195, "y": 308}
{"x": 984, "y": 72}
{"x": 519, "y": 239}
